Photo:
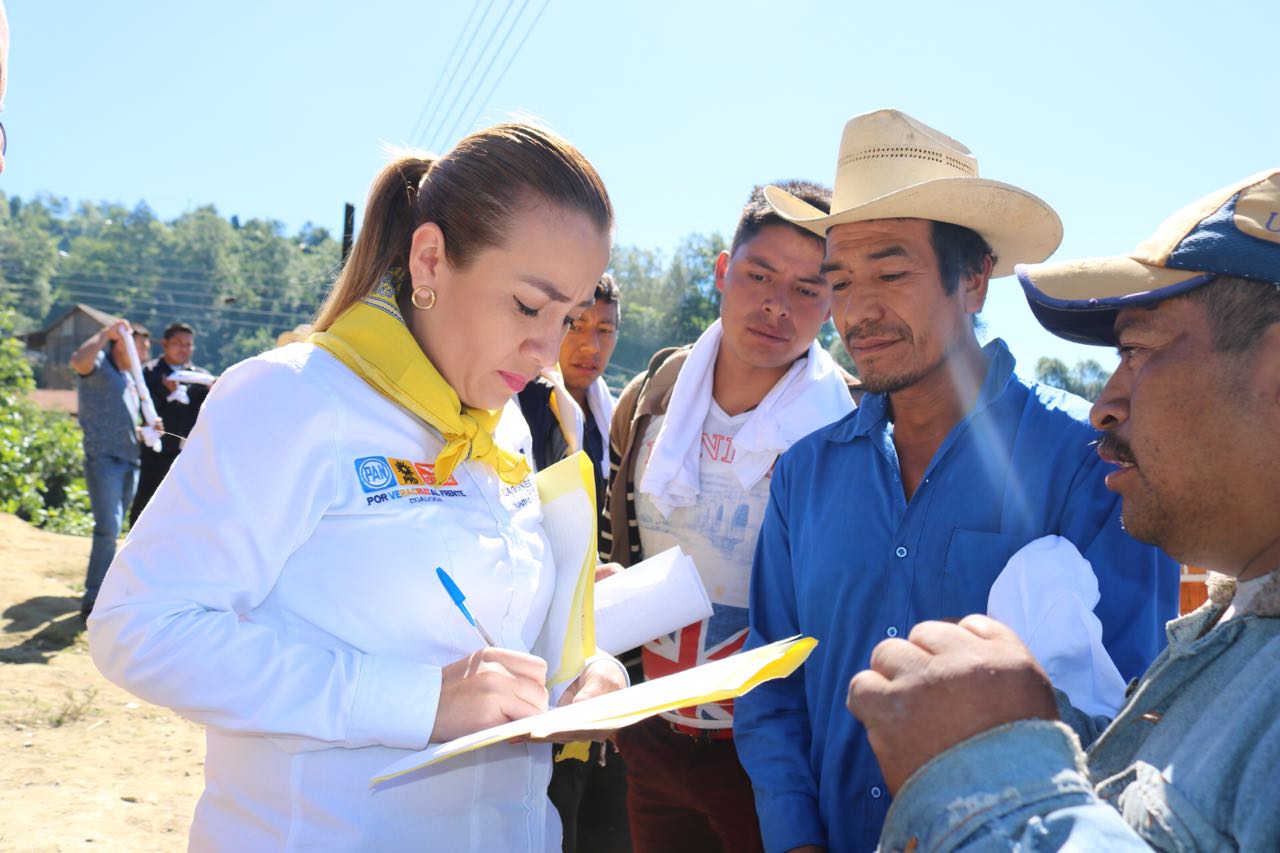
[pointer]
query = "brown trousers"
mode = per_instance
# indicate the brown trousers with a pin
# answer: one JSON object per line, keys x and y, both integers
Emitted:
{"x": 686, "y": 795}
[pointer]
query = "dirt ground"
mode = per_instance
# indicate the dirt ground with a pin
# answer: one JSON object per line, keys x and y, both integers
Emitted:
{"x": 83, "y": 764}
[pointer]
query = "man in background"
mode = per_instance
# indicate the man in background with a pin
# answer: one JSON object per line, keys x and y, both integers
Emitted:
{"x": 585, "y": 352}
{"x": 177, "y": 404}
{"x": 694, "y": 440}
{"x": 108, "y": 411}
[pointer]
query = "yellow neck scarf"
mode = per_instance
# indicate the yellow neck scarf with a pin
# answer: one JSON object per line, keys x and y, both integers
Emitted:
{"x": 372, "y": 339}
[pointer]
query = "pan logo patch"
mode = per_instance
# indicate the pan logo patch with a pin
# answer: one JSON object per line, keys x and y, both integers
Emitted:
{"x": 385, "y": 479}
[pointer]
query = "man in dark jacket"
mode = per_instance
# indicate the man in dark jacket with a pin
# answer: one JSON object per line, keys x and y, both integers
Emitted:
{"x": 584, "y": 355}
{"x": 177, "y": 403}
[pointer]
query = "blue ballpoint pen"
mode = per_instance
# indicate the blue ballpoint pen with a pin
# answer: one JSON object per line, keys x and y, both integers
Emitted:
{"x": 457, "y": 596}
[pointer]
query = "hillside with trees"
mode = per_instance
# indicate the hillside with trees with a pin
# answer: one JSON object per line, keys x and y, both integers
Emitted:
{"x": 239, "y": 284}
{"x": 243, "y": 283}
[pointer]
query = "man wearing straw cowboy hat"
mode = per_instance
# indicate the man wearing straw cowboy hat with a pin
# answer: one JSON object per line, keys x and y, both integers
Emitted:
{"x": 1191, "y": 762}
{"x": 909, "y": 508}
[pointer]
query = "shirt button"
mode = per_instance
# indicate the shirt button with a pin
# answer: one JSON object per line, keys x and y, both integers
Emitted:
{"x": 875, "y": 793}
{"x": 891, "y": 631}
{"x": 901, "y": 552}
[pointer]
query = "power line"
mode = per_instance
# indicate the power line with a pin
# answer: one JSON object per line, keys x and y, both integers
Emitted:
{"x": 89, "y": 284}
{"x": 471, "y": 70}
{"x": 498, "y": 81}
{"x": 223, "y": 321}
{"x": 209, "y": 322}
{"x": 428, "y": 131}
{"x": 435, "y": 88}
{"x": 204, "y": 286}
{"x": 140, "y": 271}
{"x": 244, "y": 316}
{"x": 129, "y": 273}
{"x": 480, "y": 82}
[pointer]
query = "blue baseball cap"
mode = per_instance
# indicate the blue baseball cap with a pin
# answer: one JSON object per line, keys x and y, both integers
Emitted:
{"x": 1233, "y": 232}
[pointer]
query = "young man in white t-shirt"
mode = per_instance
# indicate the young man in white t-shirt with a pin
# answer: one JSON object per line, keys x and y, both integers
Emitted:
{"x": 693, "y": 443}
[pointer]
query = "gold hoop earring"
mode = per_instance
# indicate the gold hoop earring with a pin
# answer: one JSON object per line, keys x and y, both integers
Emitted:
{"x": 430, "y": 298}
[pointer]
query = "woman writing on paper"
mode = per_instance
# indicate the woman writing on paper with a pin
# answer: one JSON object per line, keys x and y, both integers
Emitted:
{"x": 283, "y": 590}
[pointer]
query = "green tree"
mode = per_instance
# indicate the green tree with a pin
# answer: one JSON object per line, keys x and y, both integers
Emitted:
{"x": 240, "y": 285}
{"x": 1085, "y": 379}
{"x": 691, "y": 282}
{"x": 41, "y": 458}
{"x": 28, "y": 257}
{"x": 835, "y": 349}
{"x": 665, "y": 302}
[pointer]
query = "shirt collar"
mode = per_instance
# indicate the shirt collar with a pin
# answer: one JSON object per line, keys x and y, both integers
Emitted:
{"x": 871, "y": 415}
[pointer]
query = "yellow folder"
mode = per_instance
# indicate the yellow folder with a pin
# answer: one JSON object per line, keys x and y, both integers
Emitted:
{"x": 567, "y": 491}
{"x": 727, "y": 678}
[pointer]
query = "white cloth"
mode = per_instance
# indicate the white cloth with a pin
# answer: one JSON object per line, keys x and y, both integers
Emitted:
{"x": 601, "y": 402}
{"x": 148, "y": 435}
{"x": 282, "y": 591}
{"x": 132, "y": 401}
{"x": 1046, "y": 594}
{"x": 179, "y": 395}
{"x": 192, "y": 375}
{"x": 571, "y": 419}
{"x": 810, "y": 395}
{"x": 568, "y": 415}
{"x": 184, "y": 376}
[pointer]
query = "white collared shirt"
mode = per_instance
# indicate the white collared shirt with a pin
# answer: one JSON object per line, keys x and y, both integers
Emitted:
{"x": 281, "y": 589}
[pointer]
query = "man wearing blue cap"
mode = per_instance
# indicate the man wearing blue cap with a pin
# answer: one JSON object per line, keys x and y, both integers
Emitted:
{"x": 962, "y": 719}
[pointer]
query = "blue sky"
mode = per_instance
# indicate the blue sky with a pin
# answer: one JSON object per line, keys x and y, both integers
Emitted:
{"x": 1116, "y": 113}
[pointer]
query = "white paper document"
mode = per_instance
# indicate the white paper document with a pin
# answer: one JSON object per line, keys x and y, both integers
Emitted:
{"x": 655, "y": 597}
{"x": 717, "y": 681}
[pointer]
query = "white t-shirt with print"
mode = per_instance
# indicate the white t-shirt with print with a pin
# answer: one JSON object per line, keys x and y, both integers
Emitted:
{"x": 719, "y": 532}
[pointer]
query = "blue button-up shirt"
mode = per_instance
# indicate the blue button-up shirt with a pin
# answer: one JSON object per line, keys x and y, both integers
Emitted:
{"x": 844, "y": 557}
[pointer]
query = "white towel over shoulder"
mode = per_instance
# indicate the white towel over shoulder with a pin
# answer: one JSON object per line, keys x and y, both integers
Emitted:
{"x": 812, "y": 394}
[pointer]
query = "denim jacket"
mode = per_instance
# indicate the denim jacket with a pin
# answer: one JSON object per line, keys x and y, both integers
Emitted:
{"x": 1191, "y": 763}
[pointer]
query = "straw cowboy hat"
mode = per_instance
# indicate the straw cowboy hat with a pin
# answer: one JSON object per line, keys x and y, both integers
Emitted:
{"x": 891, "y": 165}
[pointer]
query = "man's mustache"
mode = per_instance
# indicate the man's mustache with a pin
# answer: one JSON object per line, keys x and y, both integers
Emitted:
{"x": 871, "y": 331}
{"x": 1112, "y": 446}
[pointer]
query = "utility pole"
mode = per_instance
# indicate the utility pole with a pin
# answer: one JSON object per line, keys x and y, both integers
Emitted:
{"x": 348, "y": 229}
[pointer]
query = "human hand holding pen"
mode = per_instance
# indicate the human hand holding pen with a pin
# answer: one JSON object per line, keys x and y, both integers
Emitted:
{"x": 488, "y": 687}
